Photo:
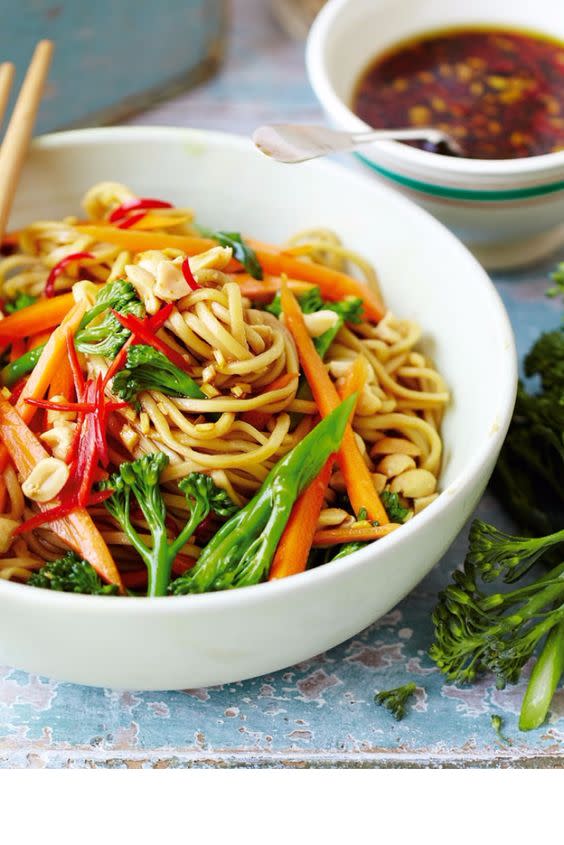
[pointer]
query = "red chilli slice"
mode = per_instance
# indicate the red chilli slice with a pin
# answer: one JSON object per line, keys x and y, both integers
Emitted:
{"x": 126, "y": 207}
{"x": 189, "y": 276}
{"x": 59, "y": 267}
{"x": 144, "y": 333}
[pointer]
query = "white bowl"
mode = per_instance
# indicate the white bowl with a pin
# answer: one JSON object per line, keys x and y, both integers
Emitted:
{"x": 509, "y": 211}
{"x": 426, "y": 274}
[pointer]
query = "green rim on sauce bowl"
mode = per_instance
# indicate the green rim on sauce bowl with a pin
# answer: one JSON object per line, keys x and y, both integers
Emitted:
{"x": 508, "y": 211}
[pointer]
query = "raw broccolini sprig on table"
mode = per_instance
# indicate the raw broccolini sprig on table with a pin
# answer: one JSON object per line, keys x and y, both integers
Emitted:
{"x": 477, "y": 631}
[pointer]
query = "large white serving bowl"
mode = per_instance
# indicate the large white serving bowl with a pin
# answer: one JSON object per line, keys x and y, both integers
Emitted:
{"x": 426, "y": 274}
{"x": 509, "y": 212}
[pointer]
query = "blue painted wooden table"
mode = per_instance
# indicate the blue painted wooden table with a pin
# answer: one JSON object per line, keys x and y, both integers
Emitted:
{"x": 320, "y": 713}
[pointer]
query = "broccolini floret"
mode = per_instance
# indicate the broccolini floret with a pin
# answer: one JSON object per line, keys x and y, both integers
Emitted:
{"x": 106, "y": 336}
{"x": 140, "y": 479}
{"x": 71, "y": 574}
{"x": 395, "y": 700}
{"x": 149, "y": 369}
{"x": 95, "y": 336}
{"x": 395, "y": 510}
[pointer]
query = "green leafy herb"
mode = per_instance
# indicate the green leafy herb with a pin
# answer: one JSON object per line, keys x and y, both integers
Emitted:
{"x": 395, "y": 700}
{"x": 241, "y": 552}
{"x": 478, "y": 632}
{"x": 22, "y": 300}
{"x": 140, "y": 479}
{"x": 395, "y": 510}
{"x": 71, "y": 574}
{"x": 241, "y": 250}
{"x": 148, "y": 369}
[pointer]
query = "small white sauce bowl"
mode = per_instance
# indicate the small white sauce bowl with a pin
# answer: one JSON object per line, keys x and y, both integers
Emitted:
{"x": 426, "y": 275}
{"x": 509, "y": 212}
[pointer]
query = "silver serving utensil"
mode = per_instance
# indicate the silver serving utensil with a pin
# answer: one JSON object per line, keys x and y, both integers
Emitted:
{"x": 291, "y": 143}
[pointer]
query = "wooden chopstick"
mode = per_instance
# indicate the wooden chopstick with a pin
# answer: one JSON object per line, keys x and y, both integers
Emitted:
{"x": 6, "y": 79}
{"x": 20, "y": 127}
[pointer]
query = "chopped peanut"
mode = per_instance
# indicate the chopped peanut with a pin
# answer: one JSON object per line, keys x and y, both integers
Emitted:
{"x": 46, "y": 480}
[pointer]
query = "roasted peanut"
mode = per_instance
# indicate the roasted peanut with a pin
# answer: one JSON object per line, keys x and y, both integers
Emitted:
{"x": 414, "y": 484}
{"x": 46, "y": 479}
{"x": 393, "y": 465}
{"x": 320, "y": 322}
{"x": 423, "y": 502}
{"x": 393, "y": 445}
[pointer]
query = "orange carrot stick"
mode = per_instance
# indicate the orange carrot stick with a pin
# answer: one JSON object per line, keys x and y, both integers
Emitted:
{"x": 138, "y": 241}
{"x": 360, "y": 486}
{"x": 266, "y": 290}
{"x": 355, "y": 379}
{"x": 333, "y": 284}
{"x": 18, "y": 349}
{"x": 49, "y": 362}
{"x": 62, "y": 383}
{"x": 3, "y": 494}
{"x": 294, "y": 546}
{"x": 38, "y": 317}
{"x": 38, "y": 339}
{"x": 77, "y": 529}
{"x": 352, "y": 534}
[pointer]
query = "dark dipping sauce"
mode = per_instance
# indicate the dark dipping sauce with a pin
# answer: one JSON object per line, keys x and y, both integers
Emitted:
{"x": 499, "y": 92}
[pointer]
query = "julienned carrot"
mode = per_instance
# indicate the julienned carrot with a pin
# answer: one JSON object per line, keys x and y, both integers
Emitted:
{"x": 38, "y": 339}
{"x": 17, "y": 349}
{"x": 42, "y": 315}
{"x": 295, "y": 544}
{"x": 3, "y": 494}
{"x": 353, "y": 534}
{"x": 77, "y": 529}
{"x": 332, "y": 283}
{"x": 360, "y": 486}
{"x": 54, "y": 352}
{"x": 265, "y": 291}
{"x": 62, "y": 383}
{"x": 138, "y": 241}
{"x": 280, "y": 382}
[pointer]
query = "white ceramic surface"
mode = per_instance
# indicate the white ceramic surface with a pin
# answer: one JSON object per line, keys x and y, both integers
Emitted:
{"x": 426, "y": 274}
{"x": 510, "y": 211}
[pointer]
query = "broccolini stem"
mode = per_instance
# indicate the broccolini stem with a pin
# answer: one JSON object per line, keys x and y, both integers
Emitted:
{"x": 21, "y": 366}
{"x": 544, "y": 679}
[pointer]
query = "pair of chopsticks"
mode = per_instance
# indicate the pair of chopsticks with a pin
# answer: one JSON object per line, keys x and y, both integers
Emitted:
{"x": 18, "y": 134}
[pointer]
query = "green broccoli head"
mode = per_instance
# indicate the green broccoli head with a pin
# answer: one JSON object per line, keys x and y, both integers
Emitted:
{"x": 100, "y": 333}
{"x": 149, "y": 369}
{"x": 198, "y": 487}
{"x": 395, "y": 700}
{"x": 395, "y": 510}
{"x": 71, "y": 574}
